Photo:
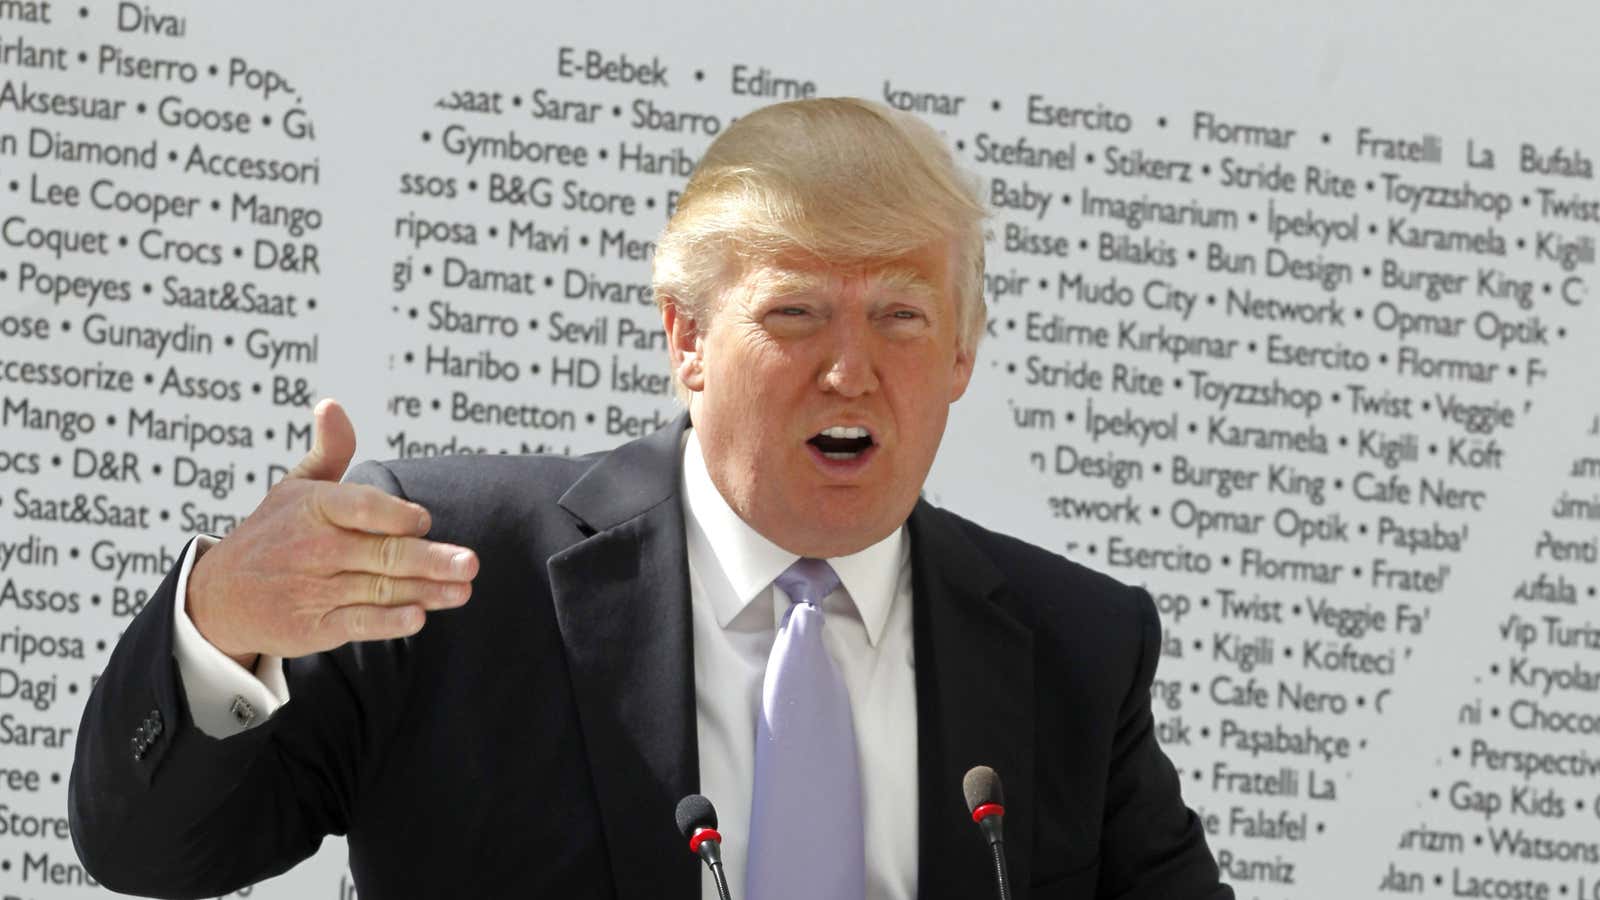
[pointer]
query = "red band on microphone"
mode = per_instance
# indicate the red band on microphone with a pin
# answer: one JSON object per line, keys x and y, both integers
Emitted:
{"x": 700, "y": 837}
{"x": 985, "y": 810}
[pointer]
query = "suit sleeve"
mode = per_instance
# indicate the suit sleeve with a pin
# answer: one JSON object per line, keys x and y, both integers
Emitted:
{"x": 1153, "y": 845}
{"x": 160, "y": 808}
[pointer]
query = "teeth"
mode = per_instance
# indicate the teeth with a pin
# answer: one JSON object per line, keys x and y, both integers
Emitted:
{"x": 843, "y": 431}
{"x": 841, "y": 455}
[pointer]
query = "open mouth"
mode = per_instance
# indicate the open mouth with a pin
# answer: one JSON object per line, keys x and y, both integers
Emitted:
{"x": 842, "y": 442}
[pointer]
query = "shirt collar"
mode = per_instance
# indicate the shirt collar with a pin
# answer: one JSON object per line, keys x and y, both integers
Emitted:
{"x": 748, "y": 562}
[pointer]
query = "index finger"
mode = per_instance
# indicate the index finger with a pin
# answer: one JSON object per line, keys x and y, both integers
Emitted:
{"x": 362, "y": 507}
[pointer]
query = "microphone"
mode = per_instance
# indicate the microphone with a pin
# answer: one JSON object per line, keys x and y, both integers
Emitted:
{"x": 697, "y": 822}
{"x": 986, "y": 802}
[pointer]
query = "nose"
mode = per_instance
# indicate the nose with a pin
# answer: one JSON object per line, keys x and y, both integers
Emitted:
{"x": 851, "y": 369}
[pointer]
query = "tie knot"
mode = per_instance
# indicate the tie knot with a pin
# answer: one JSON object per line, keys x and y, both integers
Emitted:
{"x": 808, "y": 581}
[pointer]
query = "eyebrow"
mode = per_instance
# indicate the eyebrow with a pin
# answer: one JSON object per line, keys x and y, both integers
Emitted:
{"x": 895, "y": 279}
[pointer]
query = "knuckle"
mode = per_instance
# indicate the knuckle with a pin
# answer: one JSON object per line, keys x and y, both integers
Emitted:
{"x": 360, "y": 622}
{"x": 307, "y": 464}
{"x": 354, "y": 499}
{"x": 389, "y": 551}
{"x": 325, "y": 596}
{"x": 323, "y": 555}
{"x": 443, "y": 559}
{"x": 313, "y": 503}
{"x": 316, "y": 629}
{"x": 382, "y": 590}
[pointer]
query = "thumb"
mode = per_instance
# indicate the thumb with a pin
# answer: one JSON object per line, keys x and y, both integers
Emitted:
{"x": 332, "y": 445}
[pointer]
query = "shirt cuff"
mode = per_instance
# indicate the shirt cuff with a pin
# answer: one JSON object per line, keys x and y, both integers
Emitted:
{"x": 224, "y": 698}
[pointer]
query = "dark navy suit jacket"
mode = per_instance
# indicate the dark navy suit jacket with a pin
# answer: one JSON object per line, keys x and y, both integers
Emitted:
{"x": 535, "y": 741}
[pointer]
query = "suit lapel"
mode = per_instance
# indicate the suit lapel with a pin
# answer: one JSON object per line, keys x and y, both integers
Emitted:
{"x": 622, "y": 601}
{"x": 974, "y": 672}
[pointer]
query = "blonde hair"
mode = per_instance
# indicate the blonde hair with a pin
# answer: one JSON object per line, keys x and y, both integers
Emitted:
{"x": 849, "y": 182}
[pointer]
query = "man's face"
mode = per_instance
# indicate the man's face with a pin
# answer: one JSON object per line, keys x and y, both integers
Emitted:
{"x": 820, "y": 396}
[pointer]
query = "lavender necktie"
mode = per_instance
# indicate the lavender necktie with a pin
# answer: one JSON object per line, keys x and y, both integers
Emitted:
{"x": 805, "y": 816}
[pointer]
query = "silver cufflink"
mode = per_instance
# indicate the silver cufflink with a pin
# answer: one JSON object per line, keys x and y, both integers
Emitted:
{"x": 242, "y": 711}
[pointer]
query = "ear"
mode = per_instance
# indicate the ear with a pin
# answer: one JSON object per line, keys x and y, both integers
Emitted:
{"x": 962, "y": 376}
{"x": 684, "y": 345}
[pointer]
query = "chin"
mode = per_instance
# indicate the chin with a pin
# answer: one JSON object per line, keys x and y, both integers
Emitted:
{"x": 830, "y": 546}
{"x": 840, "y": 533}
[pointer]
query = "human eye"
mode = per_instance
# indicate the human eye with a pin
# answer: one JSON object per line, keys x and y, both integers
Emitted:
{"x": 902, "y": 318}
{"x": 791, "y": 318}
{"x": 790, "y": 311}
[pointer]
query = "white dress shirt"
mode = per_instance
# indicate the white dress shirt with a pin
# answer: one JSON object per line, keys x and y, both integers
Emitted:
{"x": 736, "y": 613}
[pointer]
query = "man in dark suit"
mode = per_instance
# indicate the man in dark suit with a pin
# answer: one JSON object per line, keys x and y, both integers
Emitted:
{"x": 820, "y": 286}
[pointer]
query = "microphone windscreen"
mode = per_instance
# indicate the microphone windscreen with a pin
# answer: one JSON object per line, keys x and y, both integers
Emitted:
{"x": 694, "y": 813}
{"x": 982, "y": 785}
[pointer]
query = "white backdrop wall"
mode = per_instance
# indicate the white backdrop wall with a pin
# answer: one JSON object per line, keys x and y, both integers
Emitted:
{"x": 1292, "y": 323}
